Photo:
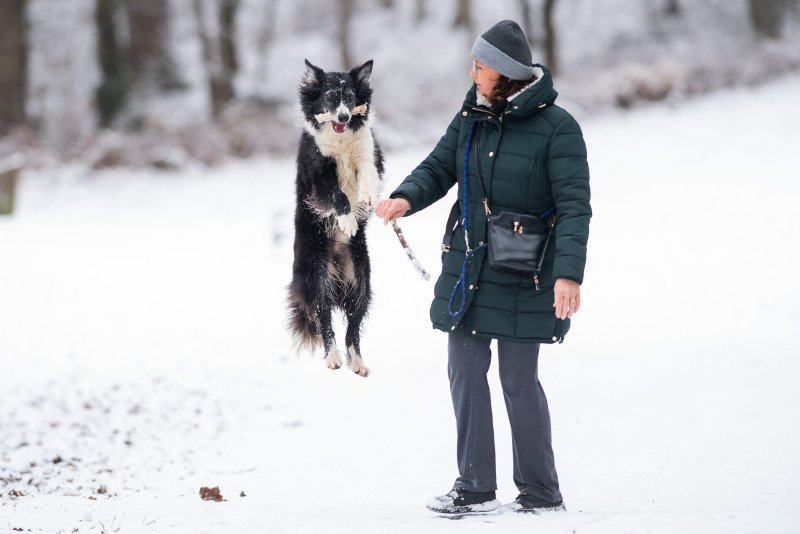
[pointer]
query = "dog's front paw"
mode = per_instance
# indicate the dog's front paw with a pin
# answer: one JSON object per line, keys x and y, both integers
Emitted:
{"x": 368, "y": 187}
{"x": 333, "y": 360}
{"x": 368, "y": 195}
{"x": 347, "y": 224}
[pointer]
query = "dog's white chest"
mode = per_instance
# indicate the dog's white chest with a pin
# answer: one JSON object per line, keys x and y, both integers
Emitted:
{"x": 354, "y": 153}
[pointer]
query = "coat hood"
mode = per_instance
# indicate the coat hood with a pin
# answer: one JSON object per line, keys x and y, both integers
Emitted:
{"x": 526, "y": 101}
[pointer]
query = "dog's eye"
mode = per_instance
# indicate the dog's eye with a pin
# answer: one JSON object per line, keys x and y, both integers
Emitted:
{"x": 331, "y": 94}
{"x": 349, "y": 94}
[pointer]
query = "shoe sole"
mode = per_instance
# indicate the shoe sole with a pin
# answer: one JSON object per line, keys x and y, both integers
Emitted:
{"x": 482, "y": 508}
{"x": 518, "y": 509}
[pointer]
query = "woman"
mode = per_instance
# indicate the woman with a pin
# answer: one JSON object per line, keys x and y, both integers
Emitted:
{"x": 532, "y": 158}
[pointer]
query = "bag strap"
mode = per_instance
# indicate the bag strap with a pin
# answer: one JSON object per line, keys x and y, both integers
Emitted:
{"x": 484, "y": 198}
{"x": 452, "y": 222}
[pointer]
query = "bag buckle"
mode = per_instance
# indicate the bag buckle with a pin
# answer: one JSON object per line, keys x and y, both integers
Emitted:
{"x": 445, "y": 248}
{"x": 517, "y": 227}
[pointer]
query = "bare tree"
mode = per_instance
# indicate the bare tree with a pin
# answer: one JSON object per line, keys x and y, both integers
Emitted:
{"x": 219, "y": 54}
{"x": 227, "y": 10}
{"x": 419, "y": 10}
{"x": 766, "y": 16}
{"x": 527, "y": 19}
{"x": 10, "y": 167}
{"x": 388, "y": 4}
{"x": 112, "y": 93}
{"x": 345, "y": 16}
{"x": 464, "y": 15}
{"x": 266, "y": 35}
{"x": 550, "y": 42}
{"x": 148, "y": 52}
{"x": 13, "y": 63}
{"x": 673, "y": 8}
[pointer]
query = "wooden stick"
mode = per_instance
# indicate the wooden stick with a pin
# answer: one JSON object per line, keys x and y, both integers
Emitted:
{"x": 414, "y": 261}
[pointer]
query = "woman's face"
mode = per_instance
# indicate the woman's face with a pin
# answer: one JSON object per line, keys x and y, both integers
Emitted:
{"x": 484, "y": 77}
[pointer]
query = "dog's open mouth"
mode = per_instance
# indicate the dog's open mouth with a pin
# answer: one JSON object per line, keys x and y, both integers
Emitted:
{"x": 338, "y": 127}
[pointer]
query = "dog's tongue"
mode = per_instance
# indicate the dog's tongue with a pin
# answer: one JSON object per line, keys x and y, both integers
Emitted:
{"x": 338, "y": 127}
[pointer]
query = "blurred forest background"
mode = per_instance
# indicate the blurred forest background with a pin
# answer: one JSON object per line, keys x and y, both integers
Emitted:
{"x": 157, "y": 83}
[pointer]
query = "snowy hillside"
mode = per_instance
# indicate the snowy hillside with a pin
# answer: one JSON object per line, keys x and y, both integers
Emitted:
{"x": 143, "y": 352}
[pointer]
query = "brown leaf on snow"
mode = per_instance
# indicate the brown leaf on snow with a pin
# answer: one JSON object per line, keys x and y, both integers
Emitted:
{"x": 211, "y": 494}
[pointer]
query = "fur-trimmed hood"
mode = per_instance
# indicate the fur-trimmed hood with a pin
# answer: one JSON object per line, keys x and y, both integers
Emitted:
{"x": 527, "y": 100}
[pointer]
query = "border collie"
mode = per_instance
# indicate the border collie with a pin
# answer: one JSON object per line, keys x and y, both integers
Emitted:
{"x": 339, "y": 173}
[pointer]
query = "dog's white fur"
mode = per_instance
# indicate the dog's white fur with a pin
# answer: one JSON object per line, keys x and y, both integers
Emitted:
{"x": 356, "y": 363}
{"x": 354, "y": 153}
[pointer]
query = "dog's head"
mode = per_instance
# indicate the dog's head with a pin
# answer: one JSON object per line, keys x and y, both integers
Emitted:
{"x": 336, "y": 100}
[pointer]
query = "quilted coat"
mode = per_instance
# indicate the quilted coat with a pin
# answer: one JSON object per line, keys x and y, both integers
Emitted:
{"x": 532, "y": 158}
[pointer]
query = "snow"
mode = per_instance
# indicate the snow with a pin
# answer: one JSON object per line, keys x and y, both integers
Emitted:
{"x": 142, "y": 343}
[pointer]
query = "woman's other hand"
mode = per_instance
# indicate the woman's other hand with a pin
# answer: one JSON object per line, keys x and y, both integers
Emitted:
{"x": 567, "y": 298}
{"x": 392, "y": 208}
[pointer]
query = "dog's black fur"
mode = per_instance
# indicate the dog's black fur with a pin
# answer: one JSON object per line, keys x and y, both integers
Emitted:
{"x": 339, "y": 170}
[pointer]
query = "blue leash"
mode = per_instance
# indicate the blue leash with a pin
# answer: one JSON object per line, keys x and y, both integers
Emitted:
{"x": 461, "y": 283}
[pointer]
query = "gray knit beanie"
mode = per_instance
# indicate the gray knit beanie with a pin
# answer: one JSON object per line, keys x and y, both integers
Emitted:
{"x": 504, "y": 48}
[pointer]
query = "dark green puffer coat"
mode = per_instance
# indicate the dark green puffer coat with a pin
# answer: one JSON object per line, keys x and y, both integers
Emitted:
{"x": 533, "y": 157}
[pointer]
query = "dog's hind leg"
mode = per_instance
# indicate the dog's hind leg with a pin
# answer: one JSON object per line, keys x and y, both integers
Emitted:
{"x": 356, "y": 303}
{"x": 310, "y": 299}
{"x": 355, "y": 314}
{"x": 333, "y": 358}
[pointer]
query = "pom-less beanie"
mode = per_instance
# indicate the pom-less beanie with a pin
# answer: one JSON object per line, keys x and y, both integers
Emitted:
{"x": 504, "y": 48}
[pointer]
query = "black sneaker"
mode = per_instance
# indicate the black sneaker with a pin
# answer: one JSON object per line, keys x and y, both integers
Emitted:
{"x": 531, "y": 505}
{"x": 460, "y": 501}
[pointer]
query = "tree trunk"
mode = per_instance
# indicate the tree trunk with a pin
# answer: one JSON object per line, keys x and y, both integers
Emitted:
{"x": 10, "y": 167}
{"x": 149, "y": 54}
{"x": 388, "y": 4}
{"x": 673, "y": 8}
{"x": 227, "y": 35}
{"x": 550, "y": 37}
{"x": 463, "y": 15}
{"x": 266, "y": 35}
{"x": 766, "y": 17}
{"x": 527, "y": 18}
{"x": 345, "y": 15}
{"x": 220, "y": 79}
{"x": 13, "y": 63}
{"x": 419, "y": 10}
{"x": 112, "y": 94}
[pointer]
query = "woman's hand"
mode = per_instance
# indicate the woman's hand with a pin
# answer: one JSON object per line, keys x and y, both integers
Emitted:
{"x": 392, "y": 208}
{"x": 568, "y": 298}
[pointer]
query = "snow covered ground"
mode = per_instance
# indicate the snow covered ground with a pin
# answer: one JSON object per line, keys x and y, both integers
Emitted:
{"x": 143, "y": 353}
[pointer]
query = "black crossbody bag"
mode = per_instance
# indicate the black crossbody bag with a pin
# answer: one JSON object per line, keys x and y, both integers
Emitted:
{"x": 517, "y": 242}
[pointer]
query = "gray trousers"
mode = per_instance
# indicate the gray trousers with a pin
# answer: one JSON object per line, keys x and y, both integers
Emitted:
{"x": 534, "y": 466}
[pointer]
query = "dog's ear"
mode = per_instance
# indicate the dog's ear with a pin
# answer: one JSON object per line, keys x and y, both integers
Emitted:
{"x": 313, "y": 73}
{"x": 361, "y": 74}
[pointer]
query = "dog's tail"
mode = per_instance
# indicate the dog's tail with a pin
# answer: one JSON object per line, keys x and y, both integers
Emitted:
{"x": 303, "y": 323}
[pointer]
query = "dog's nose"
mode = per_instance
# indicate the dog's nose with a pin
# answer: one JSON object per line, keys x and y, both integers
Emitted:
{"x": 343, "y": 118}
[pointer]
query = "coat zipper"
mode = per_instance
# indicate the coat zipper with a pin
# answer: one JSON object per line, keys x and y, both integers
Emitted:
{"x": 485, "y": 201}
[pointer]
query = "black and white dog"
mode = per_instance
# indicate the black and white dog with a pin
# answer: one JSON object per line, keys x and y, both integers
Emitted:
{"x": 339, "y": 172}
